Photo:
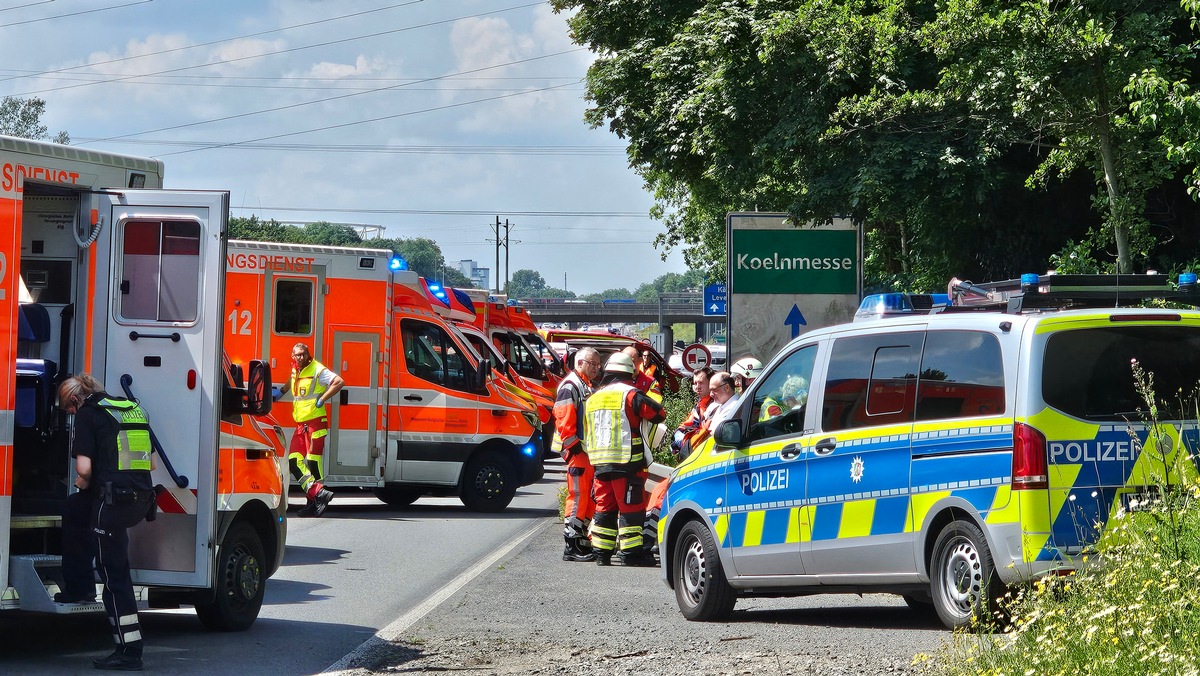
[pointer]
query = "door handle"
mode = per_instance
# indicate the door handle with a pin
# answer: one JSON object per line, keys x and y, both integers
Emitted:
{"x": 825, "y": 446}
{"x": 790, "y": 451}
{"x": 412, "y": 397}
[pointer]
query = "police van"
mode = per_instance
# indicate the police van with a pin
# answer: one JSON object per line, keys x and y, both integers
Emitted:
{"x": 942, "y": 452}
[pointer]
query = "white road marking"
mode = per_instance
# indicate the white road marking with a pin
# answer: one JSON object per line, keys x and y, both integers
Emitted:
{"x": 397, "y": 628}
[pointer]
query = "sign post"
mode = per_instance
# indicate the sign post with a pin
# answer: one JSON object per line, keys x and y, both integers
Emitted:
{"x": 786, "y": 279}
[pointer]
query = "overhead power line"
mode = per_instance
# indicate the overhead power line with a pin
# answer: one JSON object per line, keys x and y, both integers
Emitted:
{"x": 453, "y": 212}
{"x": 62, "y": 16}
{"x": 573, "y": 151}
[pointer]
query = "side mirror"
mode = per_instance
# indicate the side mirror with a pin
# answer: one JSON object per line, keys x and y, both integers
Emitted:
{"x": 258, "y": 388}
{"x": 729, "y": 434}
{"x": 481, "y": 374}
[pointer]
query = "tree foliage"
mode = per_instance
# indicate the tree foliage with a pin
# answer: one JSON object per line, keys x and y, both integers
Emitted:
{"x": 527, "y": 283}
{"x": 23, "y": 118}
{"x": 967, "y": 137}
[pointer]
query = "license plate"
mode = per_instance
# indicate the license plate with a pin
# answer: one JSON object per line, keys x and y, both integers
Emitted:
{"x": 1140, "y": 501}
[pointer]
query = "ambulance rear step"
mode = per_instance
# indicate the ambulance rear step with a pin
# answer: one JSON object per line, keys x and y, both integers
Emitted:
{"x": 32, "y": 577}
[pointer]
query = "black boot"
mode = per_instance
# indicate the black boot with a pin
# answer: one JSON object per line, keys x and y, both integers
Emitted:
{"x": 575, "y": 551}
{"x": 603, "y": 558}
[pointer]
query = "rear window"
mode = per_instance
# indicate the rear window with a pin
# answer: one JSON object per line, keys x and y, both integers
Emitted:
{"x": 1088, "y": 373}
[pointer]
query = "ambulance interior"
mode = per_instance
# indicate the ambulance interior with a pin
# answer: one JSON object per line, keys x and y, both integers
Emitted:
{"x": 45, "y": 327}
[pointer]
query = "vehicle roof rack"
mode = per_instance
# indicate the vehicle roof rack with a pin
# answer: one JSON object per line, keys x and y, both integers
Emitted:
{"x": 1060, "y": 292}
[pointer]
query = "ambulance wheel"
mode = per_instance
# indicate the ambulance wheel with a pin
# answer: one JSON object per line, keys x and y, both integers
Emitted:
{"x": 397, "y": 497}
{"x": 241, "y": 578}
{"x": 489, "y": 482}
{"x": 701, "y": 590}
{"x": 963, "y": 582}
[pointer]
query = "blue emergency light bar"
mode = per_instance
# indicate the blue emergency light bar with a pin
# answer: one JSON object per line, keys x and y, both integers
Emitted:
{"x": 880, "y": 305}
{"x": 397, "y": 263}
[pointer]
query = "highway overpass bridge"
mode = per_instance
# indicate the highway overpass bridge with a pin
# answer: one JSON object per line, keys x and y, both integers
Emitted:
{"x": 674, "y": 308}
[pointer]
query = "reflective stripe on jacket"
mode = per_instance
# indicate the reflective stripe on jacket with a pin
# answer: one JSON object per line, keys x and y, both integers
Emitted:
{"x": 133, "y": 436}
{"x": 306, "y": 390}
{"x": 568, "y": 412}
{"x": 608, "y": 431}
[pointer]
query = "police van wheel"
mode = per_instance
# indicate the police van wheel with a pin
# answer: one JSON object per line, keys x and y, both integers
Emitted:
{"x": 701, "y": 590}
{"x": 489, "y": 482}
{"x": 963, "y": 581}
{"x": 240, "y": 580}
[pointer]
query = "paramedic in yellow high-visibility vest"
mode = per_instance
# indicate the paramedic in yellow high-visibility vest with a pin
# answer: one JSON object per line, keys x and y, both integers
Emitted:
{"x": 312, "y": 386}
{"x": 612, "y": 438}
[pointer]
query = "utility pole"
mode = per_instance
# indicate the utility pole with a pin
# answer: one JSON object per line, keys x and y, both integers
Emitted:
{"x": 506, "y": 268}
{"x": 498, "y": 254}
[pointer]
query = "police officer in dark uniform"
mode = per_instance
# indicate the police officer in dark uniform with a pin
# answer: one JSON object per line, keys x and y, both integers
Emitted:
{"x": 113, "y": 458}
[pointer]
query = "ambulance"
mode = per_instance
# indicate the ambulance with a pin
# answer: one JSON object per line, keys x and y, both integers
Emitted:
{"x": 420, "y": 412}
{"x": 102, "y": 271}
{"x": 456, "y": 306}
{"x": 941, "y": 455}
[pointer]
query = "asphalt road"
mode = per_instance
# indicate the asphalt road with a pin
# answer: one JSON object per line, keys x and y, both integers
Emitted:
{"x": 344, "y": 577}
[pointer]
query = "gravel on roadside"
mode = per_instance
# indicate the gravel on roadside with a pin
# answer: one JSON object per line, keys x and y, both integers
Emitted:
{"x": 536, "y": 614}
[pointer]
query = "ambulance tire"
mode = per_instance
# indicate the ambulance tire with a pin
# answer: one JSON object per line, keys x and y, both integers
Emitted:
{"x": 489, "y": 482}
{"x": 963, "y": 581}
{"x": 701, "y": 589}
{"x": 397, "y": 497}
{"x": 241, "y": 582}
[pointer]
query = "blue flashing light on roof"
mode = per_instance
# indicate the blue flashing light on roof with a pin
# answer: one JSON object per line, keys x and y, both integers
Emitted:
{"x": 436, "y": 289}
{"x": 397, "y": 263}
{"x": 1029, "y": 282}
{"x": 513, "y": 302}
{"x": 1187, "y": 281}
{"x": 880, "y": 305}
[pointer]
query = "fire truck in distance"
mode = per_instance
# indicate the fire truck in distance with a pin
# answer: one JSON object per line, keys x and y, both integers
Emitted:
{"x": 421, "y": 413}
{"x": 103, "y": 271}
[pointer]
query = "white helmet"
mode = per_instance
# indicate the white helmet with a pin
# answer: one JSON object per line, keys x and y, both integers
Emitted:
{"x": 619, "y": 362}
{"x": 747, "y": 367}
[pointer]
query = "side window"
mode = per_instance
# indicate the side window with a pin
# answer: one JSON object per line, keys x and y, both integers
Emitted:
{"x": 871, "y": 380}
{"x": 293, "y": 307}
{"x": 430, "y": 354}
{"x": 514, "y": 349}
{"x": 962, "y": 375}
{"x": 160, "y": 271}
{"x": 781, "y": 397}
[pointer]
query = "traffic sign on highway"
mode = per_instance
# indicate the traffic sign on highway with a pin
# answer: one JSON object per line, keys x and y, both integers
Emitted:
{"x": 714, "y": 300}
{"x": 696, "y": 357}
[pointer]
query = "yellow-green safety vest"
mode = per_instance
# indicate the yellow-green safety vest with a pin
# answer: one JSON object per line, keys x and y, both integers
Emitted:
{"x": 133, "y": 438}
{"x": 608, "y": 431}
{"x": 306, "y": 390}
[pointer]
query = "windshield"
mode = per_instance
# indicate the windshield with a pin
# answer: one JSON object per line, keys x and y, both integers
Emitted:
{"x": 541, "y": 348}
{"x": 1089, "y": 373}
{"x": 472, "y": 348}
{"x": 519, "y": 355}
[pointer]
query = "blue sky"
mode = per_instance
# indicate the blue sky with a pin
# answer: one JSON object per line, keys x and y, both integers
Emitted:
{"x": 427, "y": 117}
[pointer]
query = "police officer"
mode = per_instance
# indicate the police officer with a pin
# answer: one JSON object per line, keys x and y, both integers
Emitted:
{"x": 113, "y": 459}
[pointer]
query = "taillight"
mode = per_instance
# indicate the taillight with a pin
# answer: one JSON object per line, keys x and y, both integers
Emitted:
{"x": 1029, "y": 458}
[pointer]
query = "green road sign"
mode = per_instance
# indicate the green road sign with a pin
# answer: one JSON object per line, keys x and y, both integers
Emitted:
{"x": 798, "y": 260}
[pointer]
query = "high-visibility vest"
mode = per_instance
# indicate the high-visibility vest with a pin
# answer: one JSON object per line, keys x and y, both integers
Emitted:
{"x": 765, "y": 412}
{"x": 581, "y": 394}
{"x": 306, "y": 390}
{"x": 133, "y": 435}
{"x": 608, "y": 431}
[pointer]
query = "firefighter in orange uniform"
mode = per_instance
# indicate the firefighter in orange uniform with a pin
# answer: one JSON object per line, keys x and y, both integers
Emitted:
{"x": 312, "y": 386}
{"x": 580, "y": 506}
{"x": 612, "y": 438}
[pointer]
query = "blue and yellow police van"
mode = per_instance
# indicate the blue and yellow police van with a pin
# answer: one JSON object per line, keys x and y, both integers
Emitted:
{"x": 943, "y": 452}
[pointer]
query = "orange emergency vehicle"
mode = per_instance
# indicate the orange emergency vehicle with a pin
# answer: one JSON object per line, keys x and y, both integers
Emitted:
{"x": 420, "y": 412}
{"x": 103, "y": 271}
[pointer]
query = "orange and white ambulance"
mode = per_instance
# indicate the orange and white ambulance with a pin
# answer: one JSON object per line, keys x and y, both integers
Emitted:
{"x": 420, "y": 413}
{"x": 102, "y": 271}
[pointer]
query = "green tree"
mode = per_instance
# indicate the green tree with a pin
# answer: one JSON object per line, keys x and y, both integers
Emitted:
{"x": 255, "y": 230}
{"x": 526, "y": 283}
{"x": 608, "y": 294}
{"x": 23, "y": 118}
{"x": 876, "y": 111}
